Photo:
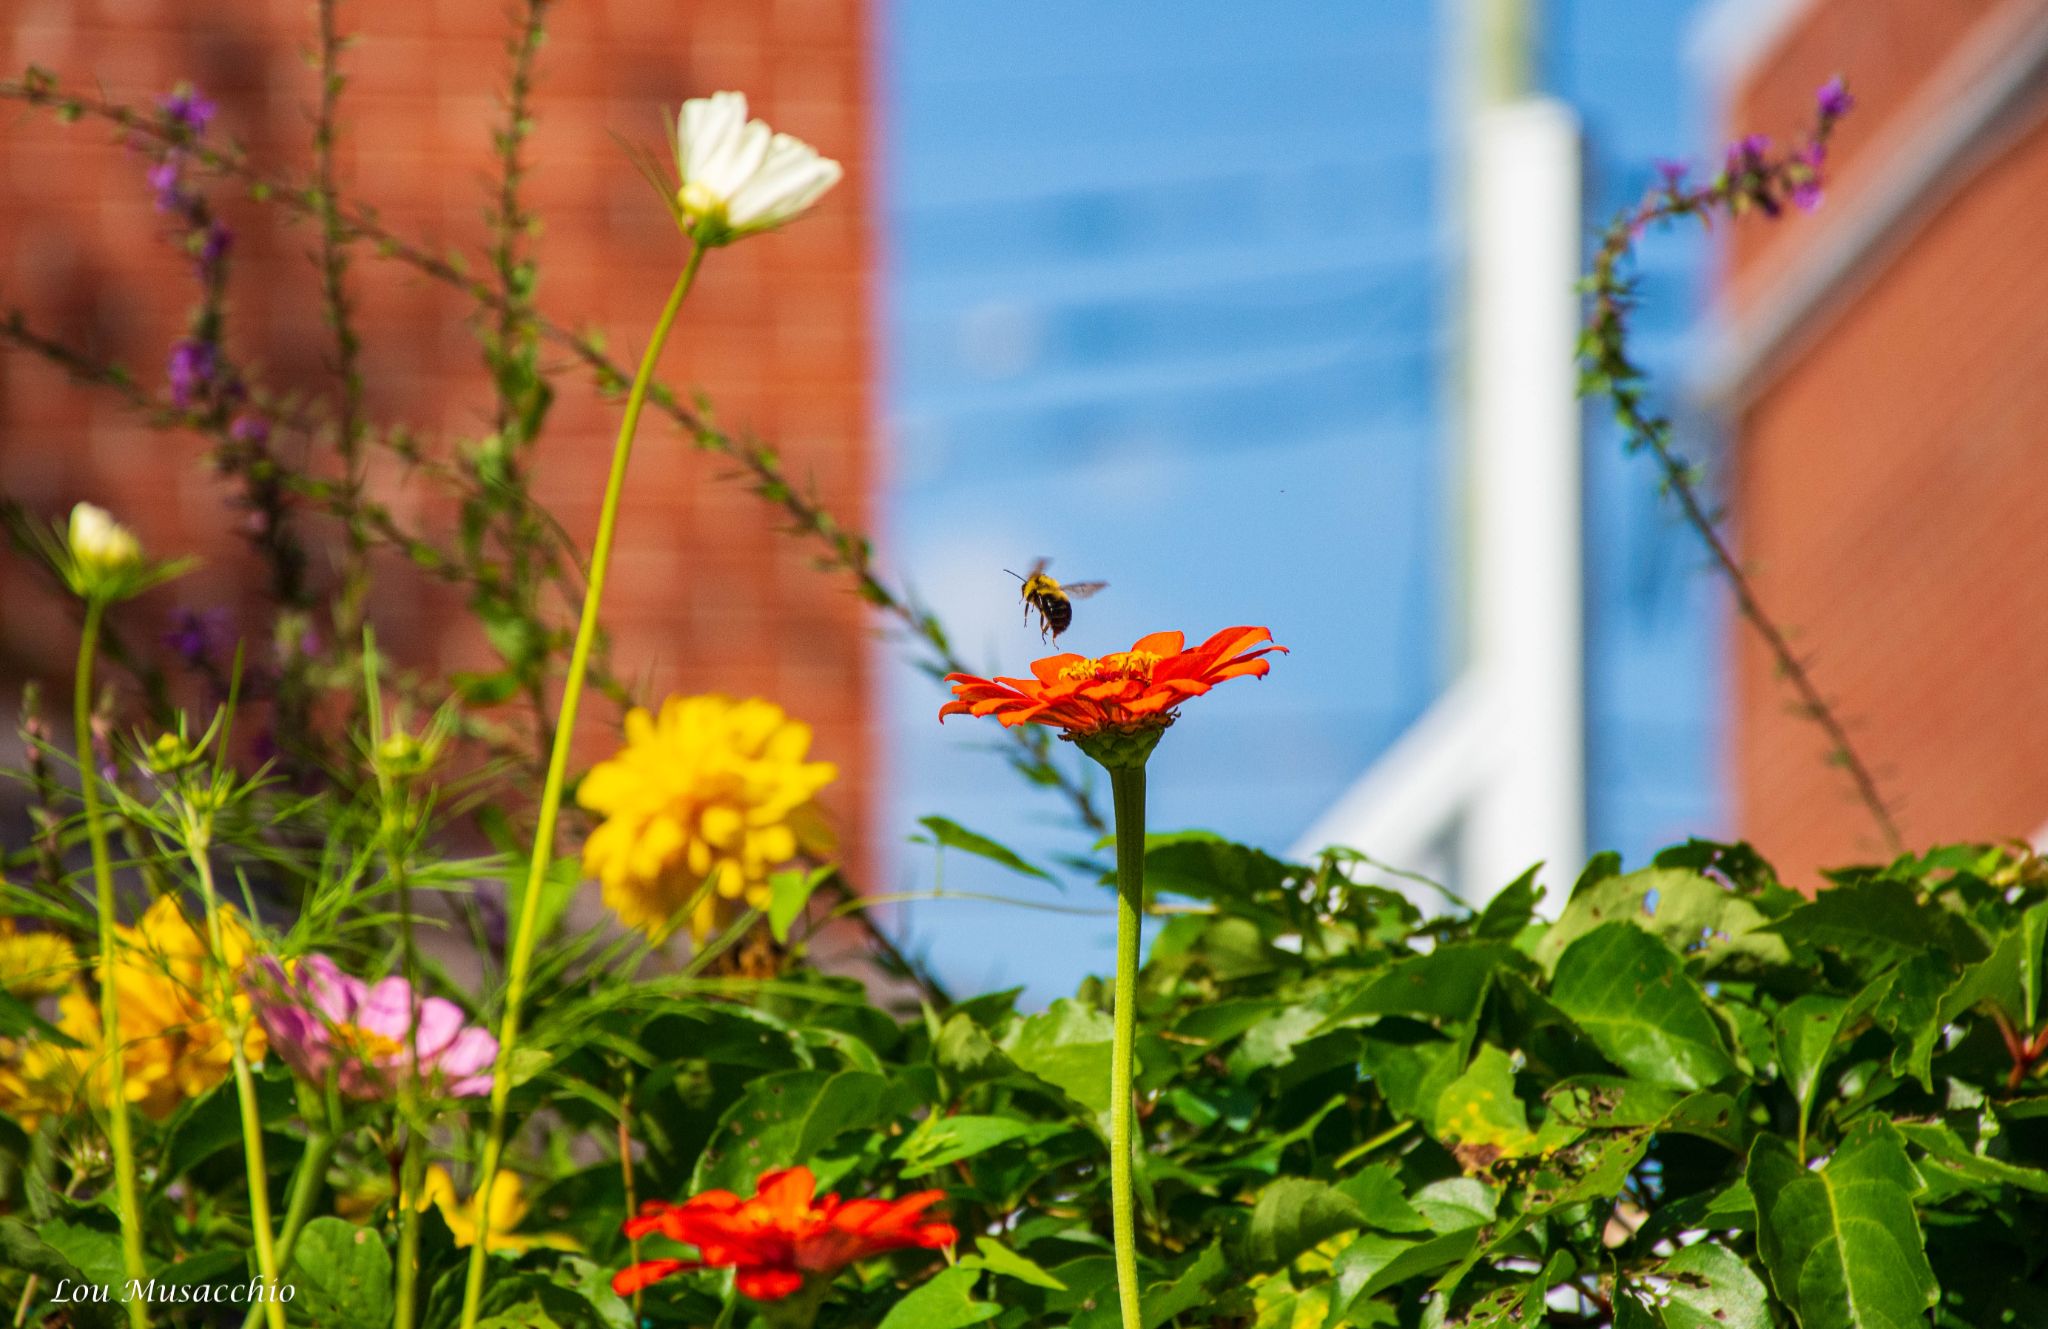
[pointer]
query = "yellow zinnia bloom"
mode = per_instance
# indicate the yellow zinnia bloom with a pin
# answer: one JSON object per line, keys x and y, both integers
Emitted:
{"x": 713, "y": 790}
{"x": 174, "y": 1047}
{"x": 34, "y": 964}
{"x": 508, "y": 1210}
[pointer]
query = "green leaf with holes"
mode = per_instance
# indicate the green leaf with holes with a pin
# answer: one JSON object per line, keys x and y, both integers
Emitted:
{"x": 1634, "y": 1000}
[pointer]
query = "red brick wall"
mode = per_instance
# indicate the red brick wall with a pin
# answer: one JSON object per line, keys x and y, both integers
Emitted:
{"x": 708, "y": 595}
{"x": 1887, "y": 488}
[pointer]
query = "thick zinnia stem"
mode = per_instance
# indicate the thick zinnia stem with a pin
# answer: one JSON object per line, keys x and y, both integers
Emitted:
{"x": 406, "y": 1292}
{"x": 127, "y": 1207}
{"x": 298, "y": 1205}
{"x": 1127, "y": 786}
{"x": 198, "y": 839}
{"x": 520, "y": 959}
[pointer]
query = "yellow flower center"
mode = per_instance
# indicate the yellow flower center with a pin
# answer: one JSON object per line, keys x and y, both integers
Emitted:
{"x": 367, "y": 1044}
{"x": 1120, "y": 664}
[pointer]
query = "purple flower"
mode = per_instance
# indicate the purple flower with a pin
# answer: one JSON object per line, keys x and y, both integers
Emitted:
{"x": 1746, "y": 154}
{"x": 193, "y": 367}
{"x": 213, "y": 244}
{"x": 323, "y": 1022}
{"x": 187, "y": 108}
{"x": 1673, "y": 173}
{"x": 1806, "y": 190}
{"x": 198, "y": 637}
{"x": 1834, "y": 99}
{"x": 249, "y": 428}
{"x": 166, "y": 179}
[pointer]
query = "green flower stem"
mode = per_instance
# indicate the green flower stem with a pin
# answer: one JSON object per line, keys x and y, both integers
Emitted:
{"x": 298, "y": 1205}
{"x": 409, "y": 1171}
{"x": 521, "y": 957}
{"x": 1127, "y": 789}
{"x": 198, "y": 839}
{"x": 127, "y": 1203}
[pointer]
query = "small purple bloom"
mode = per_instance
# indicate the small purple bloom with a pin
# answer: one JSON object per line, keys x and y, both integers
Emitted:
{"x": 1746, "y": 154}
{"x": 249, "y": 428}
{"x": 193, "y": 367}
{"x": 198, "y": 637}
{"x": 213, "y": 245}
{"x": 324, "y": 1022}
{"x": 186, "y": 107}
{"x": 165, "y": 178}
{"x": 1806, "y": 187}
{"x": 1673, "y": 173}
{"x": 1834, "y": 99}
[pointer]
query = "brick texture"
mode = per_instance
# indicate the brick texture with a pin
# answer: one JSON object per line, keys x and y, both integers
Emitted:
{"x": 1886, "y": 482}
{"x": 708, "y": 595}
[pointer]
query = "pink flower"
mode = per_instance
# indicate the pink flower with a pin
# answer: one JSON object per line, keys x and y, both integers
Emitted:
{"x": 322, "y": 1021}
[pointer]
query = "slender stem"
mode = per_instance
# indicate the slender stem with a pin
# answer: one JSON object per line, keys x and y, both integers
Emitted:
{"x": 626, "y": 1171}
{"x": 127, "y": 1206}
{"x": 298, "y": 1205}
{"x": 521, "y": 957}
{"x": 198, "y": 837}
{"x": 1127, "y": 791}
{"x": 409, "y": 1229}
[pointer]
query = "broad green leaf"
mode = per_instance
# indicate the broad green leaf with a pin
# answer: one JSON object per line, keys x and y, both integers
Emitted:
{"x": 1192, "y": 1287}
{"x": 1878, "y": 920}
{"x": 1449, "y": 983}
{"x": 1507, "y": 913}
{"x": 1067, "y": 1046}
{"x": 22, "y": 1251}
{"x": 1479, "y": 1109}
{"x": 1906, "y": 1004}
{"x": 1518, "y": 1304}
{"x": 1994, "y": 981}
{"x": 343, "y": 1276}
{"x": 1711, "y": 1287}
{"x": 1456, "y": 1203}
{"x": 953, "y": 835}
{"x": 1950, "y": 1158}
{"x": 1690, "y": 912}
{"x": 2034, "y": 937}
{"x": 1000, "y": 1259}
{"x": 785, "y": 1119}
{"x": 943, "y": 1141}
{"x": 789, "y": 892}
{"x": 945, "y": 1301}
{"x": 1636, "y": 1002}
{"x": 1374, "y": 1263}
{"x": 1295, "y": 1214}
{"x": 94, "y": 1250}
{"x": 1842, "y": 1243}
{"x": 1382, "y": 1202}
{"x": 1202, "y": 866}
{"x": 1806, "y": 1031}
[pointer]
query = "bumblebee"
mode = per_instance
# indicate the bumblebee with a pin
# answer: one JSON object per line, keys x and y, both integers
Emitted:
{"x": 1053, "y": 602}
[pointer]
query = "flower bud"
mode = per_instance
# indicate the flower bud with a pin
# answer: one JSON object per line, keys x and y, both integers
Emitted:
{"x": 101, "y": 548}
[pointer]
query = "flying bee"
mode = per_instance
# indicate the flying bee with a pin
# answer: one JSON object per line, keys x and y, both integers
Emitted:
{"x": 1054, "y": 602}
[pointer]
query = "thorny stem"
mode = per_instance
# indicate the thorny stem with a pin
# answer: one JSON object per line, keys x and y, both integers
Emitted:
{"x": 1127, "y": 790}
{"x": 520, "y": 960}
{"x": 845, "y": 551}
{"x": 1753, "y": 181}
{"x": 128, "y": 1208}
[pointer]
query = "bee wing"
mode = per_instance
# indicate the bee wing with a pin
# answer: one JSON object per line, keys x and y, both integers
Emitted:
{"x": 1081, "y": 590}
{"x": 1038, "y": 567}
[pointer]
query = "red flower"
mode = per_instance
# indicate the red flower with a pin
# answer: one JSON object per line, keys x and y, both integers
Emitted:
{"x": 782, "y": 1235}
{"x": 1125, "y": 692}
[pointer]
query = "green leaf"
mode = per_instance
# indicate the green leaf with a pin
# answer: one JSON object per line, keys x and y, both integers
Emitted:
{"x": 1202, "y": 866}
{"x": 1711, "y": 1287}
{"x": 953, "y": 835}
{"x": 1374, "y": 1263}
{"x": 1690, "y": 912}
{"x": 789, "y": 892}
{"x": 1381, "y": 1200}
{"x": 1067, "y": 1045}
{"x": 943, "y": 1141}
{"x": 1449, "y": 983}
{"x": 946, "y": 1301}
{"x": 1507, "y": 913}
{"x": 1635, "y": 1001}
{"x": 1842, "y": 1244}
{"x": 1000, "y": 1259}
{"x": 785, "y": 1119}
{"x": 1806, "y": 1031}
{"x": 1949, "y": 1157}
{"x": 1880, "y": 920}
{"x": 1479, "y": 1108}
{"x": 1295, "y": 1214}
{"x": 93, "y": 1249}
{"x": 22, "y": 1251}
{"x": 343, "y": 1276}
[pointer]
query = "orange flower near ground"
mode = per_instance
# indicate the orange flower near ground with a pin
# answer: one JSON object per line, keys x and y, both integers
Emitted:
{"x": 782, "y": 1235}
{"x": 1121, "y": 693}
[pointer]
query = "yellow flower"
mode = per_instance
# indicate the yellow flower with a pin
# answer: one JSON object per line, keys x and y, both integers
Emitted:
{"x": 507, "y": 1211}
{"x": 100, "y": 546}
{"x": 34, "y": 964}
{"x": 714, "y": 790}
{"x": 175, "y": 1048}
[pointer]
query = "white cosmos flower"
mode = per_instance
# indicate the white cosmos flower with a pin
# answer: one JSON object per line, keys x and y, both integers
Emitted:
{"x": 738, "y": 176}
{"x": 101, "y": 546}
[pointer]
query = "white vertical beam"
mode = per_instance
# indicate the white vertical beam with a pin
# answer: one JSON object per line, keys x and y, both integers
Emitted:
{"x": 1524, "y": 483}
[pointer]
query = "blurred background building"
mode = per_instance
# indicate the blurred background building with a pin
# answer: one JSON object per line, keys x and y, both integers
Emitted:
{"x": 1882, "y": 370}
{"x": 1182, "y": 297}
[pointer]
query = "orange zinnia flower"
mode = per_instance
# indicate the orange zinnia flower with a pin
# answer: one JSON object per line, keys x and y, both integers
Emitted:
{"x": 776, "y": 1239}
{"x": 1123, "y": 693}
